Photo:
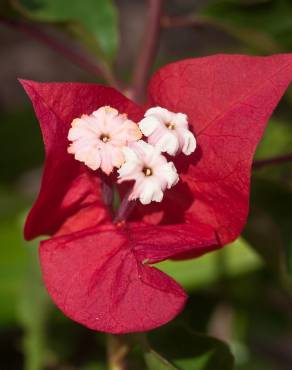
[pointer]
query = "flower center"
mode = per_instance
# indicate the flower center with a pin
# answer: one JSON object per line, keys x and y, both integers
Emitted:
{"x": 104, "y": 137}
{"x": 170, "y": 125}
{"x": 147, "y": 171}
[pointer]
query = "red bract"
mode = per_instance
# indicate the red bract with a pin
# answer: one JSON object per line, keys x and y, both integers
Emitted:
{"x": 98, "y": 273}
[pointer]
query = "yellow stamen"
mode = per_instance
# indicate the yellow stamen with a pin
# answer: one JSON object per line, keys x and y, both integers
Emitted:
{"x": 104, "y": 138}
{"x": 170, "y": 125}
{"x": 147, "y": 171}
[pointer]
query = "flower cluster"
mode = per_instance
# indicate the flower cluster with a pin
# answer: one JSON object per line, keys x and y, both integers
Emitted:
{"x": 107, "y": 139}
{"x": 99, "y": 272}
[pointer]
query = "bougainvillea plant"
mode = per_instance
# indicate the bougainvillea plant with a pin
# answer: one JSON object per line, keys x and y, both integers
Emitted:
{"x": 183, "y": 185}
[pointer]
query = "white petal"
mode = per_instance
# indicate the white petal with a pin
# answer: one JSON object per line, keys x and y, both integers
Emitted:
{"x": 181, "y": 120}
{"x": 159, "y": 112}
{"x": 130, "y": 155}
{"x": 93, "y": 159}
{"x": 144, "y": 150}
{"x": 81, "y": 155}
{"x": 76, "y": 133}
{"x": 190, "y": 143}
{"x": 131, "y": 167}
{"x": 138, "y": 186}
{"x": 117, "y": 156}
{"x": 168, "y": 173}
{"x": 168, "y": 143}
{"x": 128, "y": 171}
{"x": 148, "y": 125}
{"x": 151, "y": 191}
{"x": 105, "y": 110}
{"x": 106, "y": 159}
{"x": 91, "y": 123}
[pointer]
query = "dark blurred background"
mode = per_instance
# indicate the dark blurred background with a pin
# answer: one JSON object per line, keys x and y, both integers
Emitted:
{"x": 241, "y": 294}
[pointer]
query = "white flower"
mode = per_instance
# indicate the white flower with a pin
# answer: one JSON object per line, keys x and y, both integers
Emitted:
{"x": 150, "y": 170}
{"x": 168, "y": 131}
{"x": 98, "y": 139}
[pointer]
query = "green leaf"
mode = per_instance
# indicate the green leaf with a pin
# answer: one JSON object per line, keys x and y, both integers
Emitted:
{"x": 12, "y": 266}
{"x": 23, "y": 297}
{"x": 5, "y": 9}
{"x": 187, "y": 350}
{"x": 277, "y": 139}
{"x": 33, "y": 312}
{"x": 13, "y": 256}
{"x": 265, "y": 25}
{"x": 93, "y": 366}
{"x": 92, "y": 21}
{"x": 269, "y": 228}
{"x": 11, "y": 202}
{"x": 12, "y": 128}
{"x": 155, "y": 361}
{"x": 232, "y": 260}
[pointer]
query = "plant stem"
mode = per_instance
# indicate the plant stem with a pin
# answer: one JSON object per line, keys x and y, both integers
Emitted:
{"x": 182, "y": 21}
{"x": 125, "y": 209}
{"x": 68, "y": 52}
{"x": 120, "y": 347}
{"x": 272, "y": 161}
{"x": 141, "y": 72}
{"x": 107, "y": 192}
{"x": 117, "y": 351}
{"x": 148, "y": 50}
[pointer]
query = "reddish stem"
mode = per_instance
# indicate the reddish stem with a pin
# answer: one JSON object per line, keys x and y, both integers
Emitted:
{"x": 125, "y": 209}
{"x": 272, "y": 161}
{"x": 148, "y": 50}
{"x": 182, "y": 21}
{"x": 117, "y": 351}
{"x": 69, "y": 53}
{"x": 141, "y": 74}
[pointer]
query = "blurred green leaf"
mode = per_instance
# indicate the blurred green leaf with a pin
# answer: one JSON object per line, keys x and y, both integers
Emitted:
{"x": 230, "y": 261}
{"x": 187, "y": 350}
{"x": 13, "y": 256}
{"x": 155, "y": 361}
{"x": 11, "y": 202}
{"x": 6, "y": 10}
{"x": 277, "y": 139}
{"x": 93, "y": 366}
{"x": 265, "y": 25}
{"x": 92, "y": 21}
{"x": 12, "y": 265}
{"x": 28, "y": 151}
{"x": 270, "y": 223}
{"x": 23, "y": 297}
{"x": 33, "y": 312}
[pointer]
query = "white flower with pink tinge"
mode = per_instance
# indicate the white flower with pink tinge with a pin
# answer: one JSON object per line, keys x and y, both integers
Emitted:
{"x": 150, "y": 170}
{"x": 98, "y": 138}
{"x": 168, "y": 131}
